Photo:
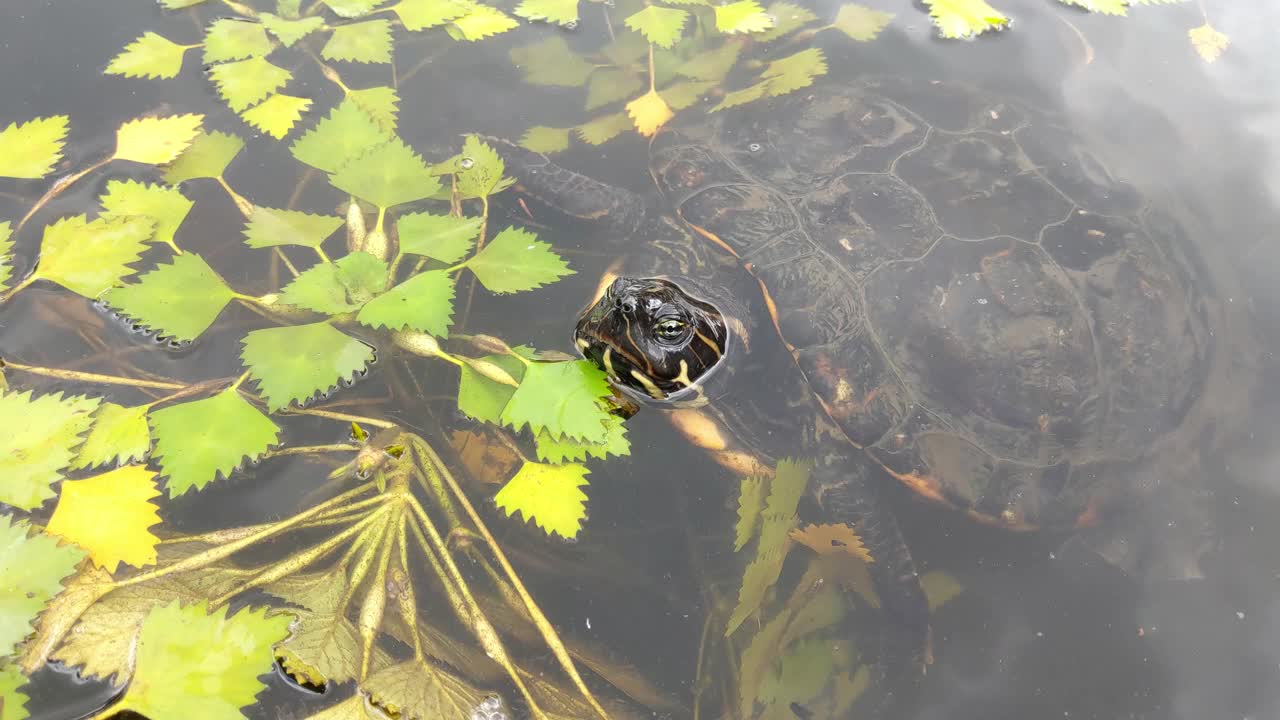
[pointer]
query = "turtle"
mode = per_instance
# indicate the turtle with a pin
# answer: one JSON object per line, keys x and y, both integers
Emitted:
{"x": 907, "y": 280}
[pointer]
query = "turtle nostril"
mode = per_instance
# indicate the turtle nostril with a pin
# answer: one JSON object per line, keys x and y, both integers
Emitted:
{"x": 627, "y": 305}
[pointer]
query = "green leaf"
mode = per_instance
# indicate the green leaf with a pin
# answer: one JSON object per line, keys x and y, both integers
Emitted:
{"x": 759, "y": 576}
{"x": 562, "y": 398}
{"x": 388, "y": 175}
{"x": 150, "y": 56}
{"x": 750, "y": 503}
{"x": 546, "y": 139}
{"x": 232, "y": 39}
{"x": 555, "y": 449}
{"x": 364, "y": 42}
{"x": 196, "y": 441}
{"x": 289, "y": 32}
{"x": 482, "y": 398}
{"x": 604, "y": 128}
{"x": 561, "y": 12}
{"x": 422, "y": 14}
{"x": 13, "y": 702}
{"x": 166, "y": 206}
{"x": 337, "y": 287}
{"x": 89, "y": 257}
{"x": 294, "y": 362}
{"x": 440, "y": 237}
{"x": 33, "y": 567}
{"x": 6, "y": 260}
{"x": 743, "y": 16}
{"x": 940, "y": 588}
{"x": 965, "y": 18}
{"x": 156, "y": 140}
{"x": 861, "y": 23}
{"x": 423, "y": 302}
{"x": 245, "y": 82}
{"x": 611, "y": 85}
{"x": 34, "y": 451}
{"x": 661, "y": 26}
{"x": 30, "y": 150}
{"x": 550, "y": 495}
{"x": 517, "y": 260}
{"x": 801, "y": 675}
{"x": 195, "y": 663}
{"x": 381, "y": 103}
{"x": 787, "y": 18}
{"x": 352, "y": 8}
{"x": 119, "y": 435}
{"x": 793, "y": 72}
{"x": 277, "y": 115}
{"x": 479, "y": 169}
{"x": 741, "y": 97}
{"x": 208, "y": 157}
{"x": 269, "y": 227}
{"x": 180, "y": 300}
{"x": 1106, "y": 7}
{"x": 347, "y": 133}
{"x": 481, "y": 22}
{"x": 551, "y": 62}
{"x": 713, "y": 64}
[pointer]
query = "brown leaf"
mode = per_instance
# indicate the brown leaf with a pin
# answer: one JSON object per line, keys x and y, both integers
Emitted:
{"x": 827, "y": 538}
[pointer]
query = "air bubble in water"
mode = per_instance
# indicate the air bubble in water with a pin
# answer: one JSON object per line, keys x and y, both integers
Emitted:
{"x": 571, "y": 25}
{"x": 467, "y": 163}
{"x": 754, "y": 147}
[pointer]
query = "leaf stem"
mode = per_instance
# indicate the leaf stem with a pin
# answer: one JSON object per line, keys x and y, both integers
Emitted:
{"x": 309, "y": 449}
{"x": 323, "y": 256}
{"x": 60, "y": 185}
{"x": 343, "y": 417}
{"x": 653, "y": 83}
{"x": 92, "y": 377}
{"x": 242, "y": 203}
{"x": 244, "y": 376}
{"x": 4, "y": 297}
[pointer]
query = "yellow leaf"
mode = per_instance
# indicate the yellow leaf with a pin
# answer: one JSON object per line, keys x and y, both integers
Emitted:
{"x": 828, "y": 538}
{"x": 277, "y": 114}
{"x": 548, "y": 494}
{"x": 1208, "y": 41}
{"x": 649, "y": 112}
{"x": 965, "y": 18}
{"x": 743, "y": 16}
{"x": 480, "y": 23}
{"x": 156, "y": 141}
{"x": 108, "y": 515}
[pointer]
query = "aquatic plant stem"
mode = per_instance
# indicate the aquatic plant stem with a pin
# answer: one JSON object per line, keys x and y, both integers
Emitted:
{"x": 471, "y": 285}
{"x": 59, "y": 186}
{"x": 79, "y": 376}
{"x": 344, "y": 417}
{"x": 26, "y": 282}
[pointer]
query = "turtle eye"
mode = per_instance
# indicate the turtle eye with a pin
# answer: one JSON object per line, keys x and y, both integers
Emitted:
{"x": 669, "y": 329}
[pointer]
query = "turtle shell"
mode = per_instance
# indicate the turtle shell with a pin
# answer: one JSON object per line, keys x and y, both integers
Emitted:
{"x": 971, "y": 295}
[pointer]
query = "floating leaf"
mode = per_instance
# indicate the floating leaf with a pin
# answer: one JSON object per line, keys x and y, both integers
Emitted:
{"x": 150, "y": 56}
{"x": 173, "y": 671}
{"x": 289, "y": 32}
{"x": 516, "y": 260}
{"x": 551, "y": 62}
{"x": 714, "y": 64}
{"x": 164, "y": 205}
{"x": 743, "y": 16}
{"x": 90, "y": 257}
{"x": 603, "y": 129}
{"x": 13, "y": 703}
{"x": 232, "y": 39}
{"x": 269, "y": 227}
{"x": 481, "y": 22}
{"x": 750, "y": 503}
{"x": 417, "y": 689}
{"x": 390, "y": 174}
{"x": 6, "y": 261}
{"x": 829, "y": 538}
{"x": 277, "y": 115}
{"x": 347, "y": 133}
{"x": 364, "y": 42}
{"x": 861, "y": 23}
{"x": 562, "y": 398}
{"x": 381, "y": 103}
{"x": 649, "y": 112}
{"x": 661, "y": 26}
{"x": 561, "y": 12}
{"x": 555, "y": 449}
{"x": 965, "y": 18}
{"x": 179, "y": 300}
{"x": 611, "y": 85}
{"x": 1106, "y": 7}
{"x": 482, "y": 398}
{"x": 119, "y": 435}
{"x": 208, "y": 157}
{"x": 294, "y": 362}
{"x": 788, "y": 18}
{"x": 352, "y": 8}
{"x": 196, "y": 441}
{"x": 441, "y": 237}
{"x": 156, "y": 140}
{"x": 30, "y": 150}
{"x": 422, "y": 14}
{"x": 33, "y": 567}
{"x": 423, "y": 302}
{"x": 108, "y": 515}
{"x": 34, "y": 451}
{"x": 479, "y": 169}
{"x": 549, "y": 495}
{"x": 546, "y": 139}
{"x": 1207, "y": 40}
{"x": 245, "y": 82}
{"x": 337, "y": 287}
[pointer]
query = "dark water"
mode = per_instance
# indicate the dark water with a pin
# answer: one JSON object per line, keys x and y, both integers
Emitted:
{"x": 1037, "y": 633}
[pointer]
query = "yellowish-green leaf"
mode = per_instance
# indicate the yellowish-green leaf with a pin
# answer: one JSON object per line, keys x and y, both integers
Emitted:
{"x": 965, "y": 18}
{"x": 199, "y": 440}
{"x": 649, "y": 112}
{"x": 352, "y": 8}
{"x": 793, "y": 72}
{"x": 166, "y": 206}
{"x": 604, "y": 128}
{"x": 661, "y": 26}
{"x": 292, "y": 363}
{"x": 245, "y": 82}
{"x": 33, "y": 566}
{"x": 381, "y": 103}
{"x": 156, "y": 140}
{"x": 940, "y": 588}
{"x": 550, "y": 495}
{"x": 337, "y": 287}
{"x": 269, "y": 227}
{"x": 364, "y": 42}
{"x": 6, "y": 260}
{"x": 561, "y": 12}
{"x": 482, "y": 398}
{"x": 516, "y": 260}
{"x": 561, "y": 398}
{"x": 823, "y": 609}
{"x": 179, "y": 300}
{"x": 422, "y": 14}
{"x": 1106, "y": 7}
{"x": 108, "y": 516}
{"x": 417, "y": 689}
{"x": 712, "y": 65}
{"x": 179, "y": 4}
{"x": 150, "y": 56}
{"x": 233, "y": 39}
{"x": 446, "y": 238}
{"x": 277, "y": 115}
{"x": 560, "y": 449}
{"x": 13, "y": 702}
{"x": 356, "y": 707}
{"x": 34, "y": 451}
{"x": 478, "y": 169}
{"x": 1206, "y": 39}
{"x": 423, "y": 302}
{"x": 481, "y": 22}
{"x": 743, "y": 16}
{"x": 174, "y": 676}
{"x": 830, "y": 538}
{"x": 627, "y": 47}
{"x": 611, "y": 85}
{"x": 288, "y": 31}
{"x": 90, "y": 257}
{"x": 800, "y": 676}
{"x": 750, "y": 503}
{"x": 119, "y": 435}
{"x": 788, "y": 18}
{"x": 684, "y": 94}
{"x": 786, "y": 488}
{"x": 861, "y": 23}
{"x": 346, "y": 134}
{"x": 30, "y": 150}
{"x": 759, "y": 576}
{"x": 387, "y": 175}
{"x": 208, "y": 157}
{"x": 551, "y": 62}
{"x": 543, "y": 139}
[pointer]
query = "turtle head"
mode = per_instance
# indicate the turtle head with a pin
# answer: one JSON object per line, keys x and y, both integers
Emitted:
{"x": 655, "y": 341}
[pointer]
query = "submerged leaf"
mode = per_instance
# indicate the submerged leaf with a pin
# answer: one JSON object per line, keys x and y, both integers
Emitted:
{"x": 33, "y": 452}
{"x": 108, "y": 516}
{"x": 712, "y": 65}
{"x": 683, "y": 94}
{"x": 33, "y": 567}
{"x": 417, "y": 689}
{"x": 382, "y": 104}
{"x": 611, "y": 85}
{"x": 422, "y": 14}
{"x": 277, "y": 115}
{"x": 288, "y": 31}
{"x": 558, "y": 449}
{"x": 832, "y": 538}
{"x": 551, "y": 62}
{"x": 550, "y": 495}
{"x": 940, "y": 588}
{"x": 861, "y": 23}
{"x": 649, "y": 112}
{"x": 269, "y": 227}
{"x": 604, "y": 128}
{"x": 345, "y": 134}
{"x": 759, "y": 576}
{"x": 150, "y": 56}
{"x": 546, "y": 139}
{"x": 6, "y": 259}
{"x": 481, "y": 22}
{"x": 165, "y": 205}
{"x": 337, "y": 287}
{"x": 516, "y": 260}
{"x": 750, "y": 503}
{"x": 119, "y": 435}
{"x": 156, "y": 140}
{"x": 743, "y": 16}
{"x": 179, "y": 300}
{"x": 661, "y": 26}
{"x": 423, "y": 302}
{"x": 440, "y": 237}
{"x": 245, "y": 82}
{"x": 1208, "y": 41}
{"x": 30, "y": 150}
{"x": 965, "y": 18}
{"x": 196, "y": 441}
{"x": 208, "y": 157}
{"x": 294, "y": 362}
{"x": 13, "y": 702}
{"x": 388, "y": 175}
{"x": 562, "y": 398}
{"x": 561, "y": 12}
{"x": 788, "y": 18}
{"x": 233, "y": 39}
{"x": 793, "y": 72}
{"x": 90, "y": 257}
{"x": 364, "y": 42}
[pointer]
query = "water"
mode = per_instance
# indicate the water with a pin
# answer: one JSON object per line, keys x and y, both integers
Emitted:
{"x": 1038, "y": 632}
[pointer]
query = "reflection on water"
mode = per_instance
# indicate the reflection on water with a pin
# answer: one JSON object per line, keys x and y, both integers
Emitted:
{"x": 1041, "y": 630}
